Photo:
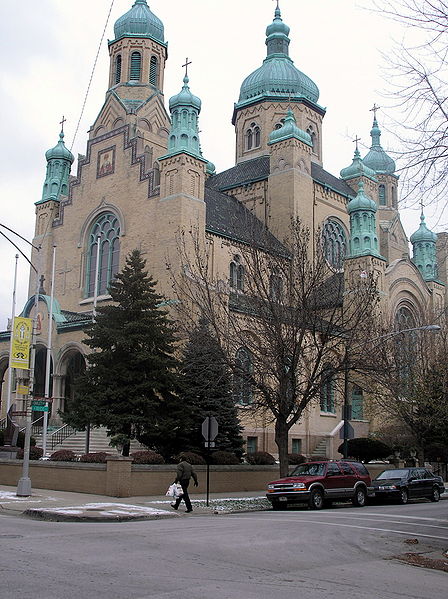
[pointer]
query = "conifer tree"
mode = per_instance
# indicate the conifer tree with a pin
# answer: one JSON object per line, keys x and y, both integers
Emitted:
{"x": 131, "y": 383}
{"x": 207, "y": 390}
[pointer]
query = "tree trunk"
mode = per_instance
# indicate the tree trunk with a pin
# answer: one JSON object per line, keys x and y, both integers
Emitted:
{"x": 126, "y": 448}
{"x": 281, "y": 440}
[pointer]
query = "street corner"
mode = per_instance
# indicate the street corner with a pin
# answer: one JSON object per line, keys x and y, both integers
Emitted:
{"x": 98, "y": 512}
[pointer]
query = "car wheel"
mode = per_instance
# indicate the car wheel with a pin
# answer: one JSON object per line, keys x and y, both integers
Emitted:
{"x": 404, "y": 497}
{"x": 359, "y": 500}
{"x": 316, "y": 500}
{"x": 279, "y": 505}
{"x": 435, "y": 495}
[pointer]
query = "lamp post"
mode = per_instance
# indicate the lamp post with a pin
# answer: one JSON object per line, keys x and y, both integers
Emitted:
{"x": 346, "y": 411}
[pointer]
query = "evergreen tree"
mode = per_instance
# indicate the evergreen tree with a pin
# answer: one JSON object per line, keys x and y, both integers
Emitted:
{"x": 207, "y": 390}
{"x": 131, "y": 383}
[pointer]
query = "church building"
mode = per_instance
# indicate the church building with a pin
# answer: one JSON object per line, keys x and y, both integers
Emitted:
{"x": 143, "y": 178}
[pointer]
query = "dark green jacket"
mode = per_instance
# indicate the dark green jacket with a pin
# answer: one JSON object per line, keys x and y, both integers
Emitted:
{"x": 185, "y": 471}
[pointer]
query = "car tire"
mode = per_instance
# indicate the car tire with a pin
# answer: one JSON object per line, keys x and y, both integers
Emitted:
{"x": 435, "y": 495}
{"x": 360, "y": 497}
{"x": 279, "y": 506}
{"x": 404, "y": 496}
{"x": 316, "y": 501}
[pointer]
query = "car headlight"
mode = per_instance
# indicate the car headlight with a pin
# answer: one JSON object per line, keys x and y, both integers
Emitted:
{"x": 299, "y": 486}
{"x": 387, "y": 487}
{"x": 271, "y": 487}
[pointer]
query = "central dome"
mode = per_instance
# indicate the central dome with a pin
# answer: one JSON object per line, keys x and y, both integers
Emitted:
{"x": 141, "y": 22}
{"x": 278, "y": 76}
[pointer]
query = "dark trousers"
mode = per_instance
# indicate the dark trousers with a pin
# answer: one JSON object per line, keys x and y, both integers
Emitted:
{"x": 184, "y": 484}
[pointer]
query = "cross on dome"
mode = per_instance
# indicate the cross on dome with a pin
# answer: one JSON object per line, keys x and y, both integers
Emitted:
{"x": 375, "y": 110}
{"x": 62, "y": 122}
{"x": 356, "y": 141}
{"x": 186, "y": 66}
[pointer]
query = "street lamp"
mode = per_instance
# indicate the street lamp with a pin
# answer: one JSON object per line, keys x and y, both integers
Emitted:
{"x": 346, "y": 415}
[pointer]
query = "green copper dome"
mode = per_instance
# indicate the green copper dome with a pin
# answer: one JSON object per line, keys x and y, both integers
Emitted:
{"x": 423, "y": 233}
{"x": 60, "y": 151}
{"x": 361, "y": 202}
{"x": 377, "y": 159}
{"x": 278, "y": 76}
{"x": 357, "y": 169}
{"x": 289, "y": 129}
{"x": 141, "y": 22}
{"x": 363, "y": 237}
{"x": 185, "y": 98}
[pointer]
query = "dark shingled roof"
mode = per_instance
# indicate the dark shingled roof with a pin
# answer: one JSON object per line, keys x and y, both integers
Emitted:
{"x": 228, "y": 217}
{"x": 249, "y": 171}
{"x": 326, "y": 179}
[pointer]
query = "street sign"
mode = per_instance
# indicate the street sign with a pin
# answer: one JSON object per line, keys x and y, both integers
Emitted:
{"x": 209, "y": 444}
{"x": 41, "y": 401}
{"x": 38, "y": 402}
{"x": 19, "y": 413}
{"x": 209, "y": 428}
{"x": 40, "y": 408}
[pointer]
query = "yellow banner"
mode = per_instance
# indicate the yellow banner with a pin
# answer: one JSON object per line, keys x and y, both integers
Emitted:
{"x": 21, "y": 342}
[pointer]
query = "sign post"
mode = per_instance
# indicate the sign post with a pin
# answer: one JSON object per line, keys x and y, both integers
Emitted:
{"x": 209, "y": 432}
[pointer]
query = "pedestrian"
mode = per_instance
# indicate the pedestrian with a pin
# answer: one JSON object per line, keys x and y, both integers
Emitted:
{"x": 185, "y": 472}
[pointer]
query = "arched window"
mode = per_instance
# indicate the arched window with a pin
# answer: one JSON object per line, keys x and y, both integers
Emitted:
{"x": 242, "y": 387}
{"x": 236, "y": 274}
{"x": 335, "y": 243}
{"x": 156, "y": 174}
{"x": 118, "y": 68}
{"x": 105, "y": 232}
{"x": 313, "y": 136}
{"x": 327, "y": 389}
{"x": 357, "y": 403}
{"x": 404, "y": 319}
{"x": 136, "y": 66}
{"x": 257, "y": 137}
{"x": 394, "y": 196}
{"x": 153, "y": 71}
{"x": 275, "y": 288}
{"x": 249, "y": 140}
{"x": 382, "y": 195}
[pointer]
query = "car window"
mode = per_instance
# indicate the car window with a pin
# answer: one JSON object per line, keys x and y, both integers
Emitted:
{"x": 387, "y": 474}
{"x": 428, "y": 474}
{"x": 346, "y": 468}
{"x": 309, "y": 470}
{"x": 333, "y": 469}
{"x": 361, "y": 469}
{"x": 417, "y": 473}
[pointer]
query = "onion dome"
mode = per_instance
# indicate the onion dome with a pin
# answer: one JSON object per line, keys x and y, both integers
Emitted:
{"x": 277, "y": 76}
{"x": 59, "y": 162}
{"x": 60, "y": 151}
{"x": 363, "y": 237}
{"x": 362, "y": 201}
{"x": 423, "y": 233}
{"x": 289, "y": 129}
{"x": 357, "y": 169}
{"x": 185, "y": 98}
{"x": 424, "y": 251}
{"x": 139, "y": 21}
{"x": 377, "y": 159}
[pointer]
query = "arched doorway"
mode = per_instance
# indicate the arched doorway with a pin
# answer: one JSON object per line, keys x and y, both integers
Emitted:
{"x": 75, "y": 366}
{"x": 40, "y": 365}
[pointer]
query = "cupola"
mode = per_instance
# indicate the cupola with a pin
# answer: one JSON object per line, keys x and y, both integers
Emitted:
{"x": 59, "y": 162}
{"x": 290, "y": 129}
{"x": 139, "y": 21}
{"x": 363, "y": 236}
{"x": 377, "y": 159}
{"x": 357, "y": 168}
{"x": 424, "y": 251}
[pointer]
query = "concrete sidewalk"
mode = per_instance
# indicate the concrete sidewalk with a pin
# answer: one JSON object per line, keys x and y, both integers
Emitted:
{"x": 64, "y": 506}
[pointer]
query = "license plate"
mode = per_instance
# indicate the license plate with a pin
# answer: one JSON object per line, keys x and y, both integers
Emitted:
{"x": 282, "y": 498}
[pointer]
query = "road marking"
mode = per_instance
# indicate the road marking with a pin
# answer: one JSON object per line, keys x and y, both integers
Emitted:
{"x": 400, "y": 532}
{"x": 352, "y": 517}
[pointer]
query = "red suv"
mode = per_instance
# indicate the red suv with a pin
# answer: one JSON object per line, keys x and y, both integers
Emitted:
{"x": 318, "y": 483}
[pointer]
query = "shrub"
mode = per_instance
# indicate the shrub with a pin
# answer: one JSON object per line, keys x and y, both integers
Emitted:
{"x": 147, "y": 457}
{"x": 63, "y": 455}
{"x": 436, "y": 452}
{"x": 365, "y": 449}
{"x": 260, "y": 458}
{"x": 296, "y": 458}
{"x": 224, "y": 458}
{"x": 20, "y": 439}
{"x": 35, "y": 453}
{"x": 96, "y": 457}
{"x": 193, "y": 458}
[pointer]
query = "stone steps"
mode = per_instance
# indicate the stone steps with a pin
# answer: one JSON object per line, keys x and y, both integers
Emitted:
{"x": 99, "y": 441}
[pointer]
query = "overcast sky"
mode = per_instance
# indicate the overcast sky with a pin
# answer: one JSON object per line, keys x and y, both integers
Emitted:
{"x": 49, "y": 47}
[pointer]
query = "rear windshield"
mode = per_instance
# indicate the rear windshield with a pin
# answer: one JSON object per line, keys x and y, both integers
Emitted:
{"x": 309, "y": 470}
{"x": 392, "y": 474}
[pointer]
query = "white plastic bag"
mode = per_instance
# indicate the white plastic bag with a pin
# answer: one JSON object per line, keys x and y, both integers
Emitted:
{"x": 174, "y": 490}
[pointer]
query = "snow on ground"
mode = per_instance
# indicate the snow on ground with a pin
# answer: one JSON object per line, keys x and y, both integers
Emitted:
{"x": 108, "y": 509}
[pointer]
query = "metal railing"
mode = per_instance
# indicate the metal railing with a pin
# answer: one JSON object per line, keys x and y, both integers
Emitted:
{"x": 2, "y": 424}
{"x": 36, "y": 426}
{"x": 60, "y": 434}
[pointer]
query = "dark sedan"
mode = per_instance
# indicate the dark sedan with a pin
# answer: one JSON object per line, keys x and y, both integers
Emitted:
{"x": 403, "y": 484}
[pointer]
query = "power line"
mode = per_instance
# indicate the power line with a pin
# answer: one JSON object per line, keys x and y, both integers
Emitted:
{"x": 91, "y": 75}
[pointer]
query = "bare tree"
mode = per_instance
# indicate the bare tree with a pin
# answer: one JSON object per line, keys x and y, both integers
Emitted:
{"x": 284, "y": 323}
{"x": 417, "y": 75}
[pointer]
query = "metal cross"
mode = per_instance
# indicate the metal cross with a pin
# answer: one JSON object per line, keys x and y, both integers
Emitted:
{"x": 62, "y": 122}
{"x": 374, "y": 110}
{"x": 356, "y": 141}
{"x": 186, "y": 66}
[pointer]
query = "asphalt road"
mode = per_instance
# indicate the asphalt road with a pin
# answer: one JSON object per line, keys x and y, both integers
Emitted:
{"x": 343, "y": 552}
